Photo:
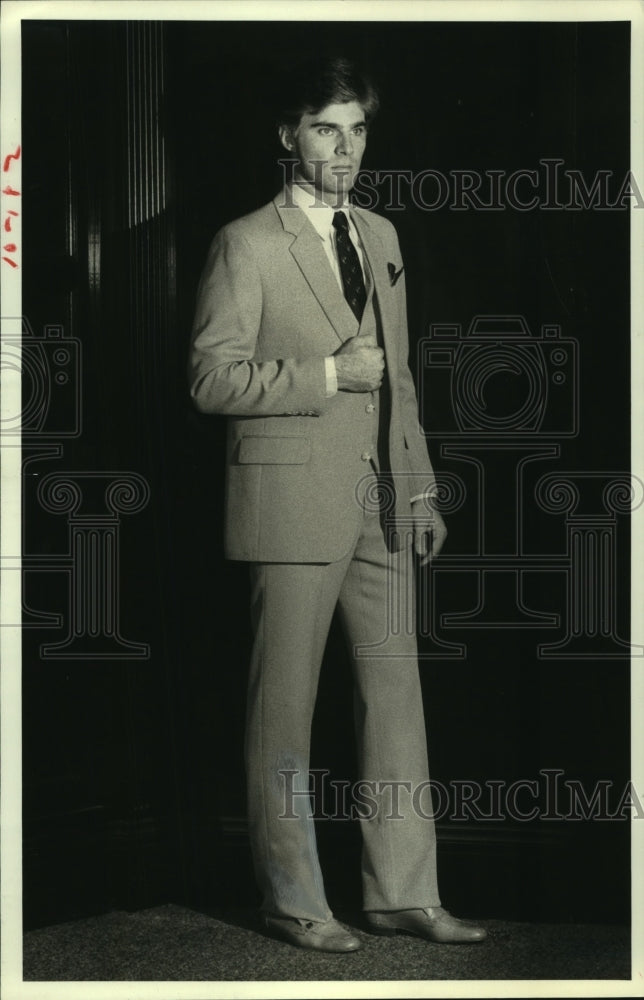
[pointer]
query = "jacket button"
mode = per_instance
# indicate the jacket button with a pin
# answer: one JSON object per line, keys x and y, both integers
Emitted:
{"x": 366, "y": 455}
{"x": 369, "y": 408}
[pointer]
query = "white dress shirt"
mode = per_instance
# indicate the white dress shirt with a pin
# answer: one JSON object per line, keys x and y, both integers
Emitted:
{"x": 320, "y": 215}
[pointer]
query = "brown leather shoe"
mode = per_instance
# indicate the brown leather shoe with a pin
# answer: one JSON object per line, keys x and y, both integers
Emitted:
{"x": 316, "y": 935}
{"x": 433, "y": 923}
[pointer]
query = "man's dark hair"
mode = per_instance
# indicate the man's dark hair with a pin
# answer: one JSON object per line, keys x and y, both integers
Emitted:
{"x": 311, "y": 85}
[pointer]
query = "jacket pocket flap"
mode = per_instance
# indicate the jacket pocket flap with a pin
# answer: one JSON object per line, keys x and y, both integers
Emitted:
{"x": 273, "y": 450}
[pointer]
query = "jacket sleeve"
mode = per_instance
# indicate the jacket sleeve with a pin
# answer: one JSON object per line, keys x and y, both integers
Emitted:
{"x": 226, "y": 372}
{"x": 423, "y": 477}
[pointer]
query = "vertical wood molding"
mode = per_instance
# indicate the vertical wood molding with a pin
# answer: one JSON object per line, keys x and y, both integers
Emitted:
{"x": 145, "y": 134}
{"x": 147, "y": 218}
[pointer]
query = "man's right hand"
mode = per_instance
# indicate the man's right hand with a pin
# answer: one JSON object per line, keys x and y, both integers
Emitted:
{"x": 359, "y": 364}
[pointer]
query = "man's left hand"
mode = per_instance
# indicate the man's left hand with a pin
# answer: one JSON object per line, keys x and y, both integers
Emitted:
{"x": 429, "y": 531}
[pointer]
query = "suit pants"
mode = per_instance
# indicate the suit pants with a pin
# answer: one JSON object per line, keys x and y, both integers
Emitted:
{"x": 292, "y": 606}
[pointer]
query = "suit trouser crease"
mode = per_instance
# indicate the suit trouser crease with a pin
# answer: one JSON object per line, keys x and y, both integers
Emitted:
{"x": 399, "y": 855}
{"x": 284, "y": 850}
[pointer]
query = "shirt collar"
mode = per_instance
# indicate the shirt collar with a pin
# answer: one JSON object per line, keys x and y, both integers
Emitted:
{"x": 319, "y": 214}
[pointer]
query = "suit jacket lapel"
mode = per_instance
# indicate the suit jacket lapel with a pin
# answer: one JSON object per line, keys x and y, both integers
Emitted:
{"x": 376, "y": 256}
{"x": 308, "y": 252}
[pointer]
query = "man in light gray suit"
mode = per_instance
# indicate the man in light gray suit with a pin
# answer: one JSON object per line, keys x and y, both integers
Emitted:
{"x": 300, "y": 339}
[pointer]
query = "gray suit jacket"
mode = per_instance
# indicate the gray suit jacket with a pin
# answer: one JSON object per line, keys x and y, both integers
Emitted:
{"x": 269, "y": 310}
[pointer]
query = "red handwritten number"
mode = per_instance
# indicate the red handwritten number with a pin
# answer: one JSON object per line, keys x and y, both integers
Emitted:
{"x": 9, "y": 158}
{"x": 10, "y": 247}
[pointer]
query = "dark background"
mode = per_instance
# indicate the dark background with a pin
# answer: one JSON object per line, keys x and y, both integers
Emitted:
{"x": 139, "y": 142}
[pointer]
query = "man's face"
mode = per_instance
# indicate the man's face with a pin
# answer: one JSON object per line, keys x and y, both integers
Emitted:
{"x": 329, "y": 147}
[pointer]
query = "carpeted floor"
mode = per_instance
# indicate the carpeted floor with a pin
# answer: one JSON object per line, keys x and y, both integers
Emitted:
{"x": 174, "y": 943}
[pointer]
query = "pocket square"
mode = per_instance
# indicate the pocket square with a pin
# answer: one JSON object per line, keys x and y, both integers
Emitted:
{"x": 393, "y": 273}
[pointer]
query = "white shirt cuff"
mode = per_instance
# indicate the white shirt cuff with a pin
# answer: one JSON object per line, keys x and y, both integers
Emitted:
{"x": 431, "y": 494}
{"x": 331, "y": 376}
